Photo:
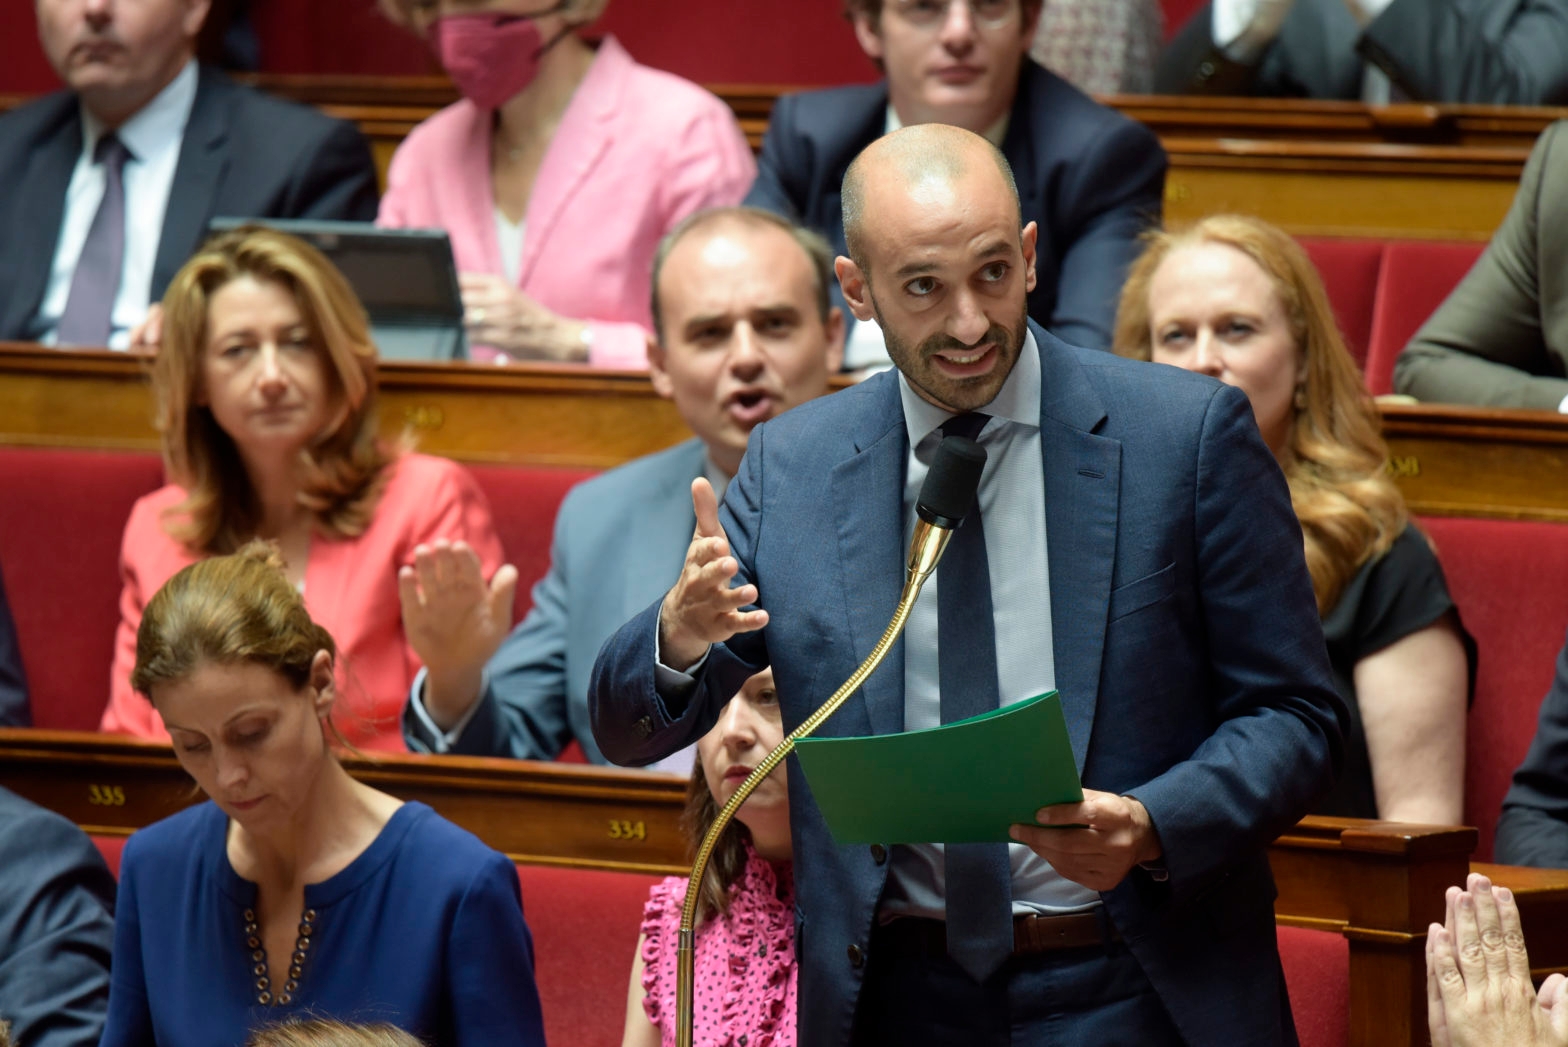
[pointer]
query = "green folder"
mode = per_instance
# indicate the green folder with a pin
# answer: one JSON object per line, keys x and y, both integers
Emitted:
{"x": 963, "y": 782}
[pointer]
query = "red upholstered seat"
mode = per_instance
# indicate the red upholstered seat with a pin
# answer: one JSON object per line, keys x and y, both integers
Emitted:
{"x": 1509, "y": 579}
{"x": 585, "y": 925}
{"x": 1317, "y": 973}
{"x": 1350, "y": 270}
{"x": 61, "y": 515}
{"x": 110, "y": 847}
{"x": 1416, "y": 276}
{"x": 524, "y": 501}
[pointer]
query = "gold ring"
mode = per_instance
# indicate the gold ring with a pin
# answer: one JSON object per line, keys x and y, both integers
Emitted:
{"x": 478, "y": 318}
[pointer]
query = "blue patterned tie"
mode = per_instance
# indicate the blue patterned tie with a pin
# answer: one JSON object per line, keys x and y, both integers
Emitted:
{"x": 978, "y": 875}
{"x": 89, "y": 308}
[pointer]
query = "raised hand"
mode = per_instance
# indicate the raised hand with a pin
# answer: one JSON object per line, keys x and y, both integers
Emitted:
{"x": 1095, "y": 842}
{"x": 702, "y": 609}
{"x": 1479, "y": 992}
{"x": 454, "y": 622}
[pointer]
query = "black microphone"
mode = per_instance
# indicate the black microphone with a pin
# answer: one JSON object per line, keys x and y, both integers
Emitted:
{"x": 945, "y": 499}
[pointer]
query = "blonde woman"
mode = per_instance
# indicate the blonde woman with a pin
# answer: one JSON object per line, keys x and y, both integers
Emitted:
{"x": 1235, "y": 298}
{"x": 265, "y": 385}
{"x": 295, "y": 891}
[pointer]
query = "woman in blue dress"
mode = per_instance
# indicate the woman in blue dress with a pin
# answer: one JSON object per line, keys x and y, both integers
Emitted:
{"x": 295, "y": 889}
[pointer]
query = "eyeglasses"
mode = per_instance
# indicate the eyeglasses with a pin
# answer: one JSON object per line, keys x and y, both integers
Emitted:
{"x": 928, "y": 14}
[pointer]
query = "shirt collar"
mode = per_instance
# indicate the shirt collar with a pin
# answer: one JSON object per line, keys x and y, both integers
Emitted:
{"x": 717, "y": 478}
{"x": 995, "y": 134}
{"x": 1017, "y": 401}
{"x": 155, "y": 124}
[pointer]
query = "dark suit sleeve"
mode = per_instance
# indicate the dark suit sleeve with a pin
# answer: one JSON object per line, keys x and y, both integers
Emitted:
{"x": 1116, "y": 193}
{"x": 779, "y": 167}
{"x": 56, "y": 929}
{"x": 14, "y": 710}
{"x": 1485, "y": 344}
{"x": 523, "y": 711}
{"x": 1192, "y": 65}
{"x": 1279, "y": 723}
{"x": 1440, "y": 50}
{"x": 1533, "y": 829}
{"x": 339, "y": 182}
{"x": 636, "y": 721}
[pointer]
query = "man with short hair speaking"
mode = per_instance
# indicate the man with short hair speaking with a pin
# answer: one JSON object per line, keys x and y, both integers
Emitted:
{"x": 743, "y": 332}
{"x": 1137, "y": 553}
{"x": 1090, "y": 179}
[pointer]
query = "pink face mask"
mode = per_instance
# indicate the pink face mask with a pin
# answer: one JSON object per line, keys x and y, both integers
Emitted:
{"x": 490, "y": 57}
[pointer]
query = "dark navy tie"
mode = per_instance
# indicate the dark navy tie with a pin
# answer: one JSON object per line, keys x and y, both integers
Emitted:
{"x": 978, "y": 877}
{"x": 89, "y": 307}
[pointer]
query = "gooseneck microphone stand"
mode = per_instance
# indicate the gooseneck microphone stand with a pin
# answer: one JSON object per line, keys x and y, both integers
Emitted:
{"x": 945, "y": 499}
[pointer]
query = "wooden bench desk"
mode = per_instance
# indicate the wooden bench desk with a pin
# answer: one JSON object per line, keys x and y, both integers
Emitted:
{"x": 1315, "y": 168}
{"x": 1378, "y": 883}
{"x": 1449, "y": 461}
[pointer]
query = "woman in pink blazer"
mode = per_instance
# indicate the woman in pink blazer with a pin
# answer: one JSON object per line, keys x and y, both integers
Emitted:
{"x": 266, "y": 393}
{"x": 556, "y": 175}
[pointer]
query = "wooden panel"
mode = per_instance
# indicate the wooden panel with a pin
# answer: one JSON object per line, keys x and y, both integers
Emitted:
{"x": 1345, "y": 189}
{"x": 540, "y": 813}
{"x": 1449, "y": 461}
{"x": 1464, "y": 461}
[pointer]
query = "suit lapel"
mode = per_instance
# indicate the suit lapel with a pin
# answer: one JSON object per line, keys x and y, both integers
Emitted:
{"x": 1082, "y": 481}
{"x": 867, "y": 495}
{"x": 668, "y": 524}
{"x": 39, "y": 211}
{"x": 587, "y": 130}
{"x": 198, "y": 175}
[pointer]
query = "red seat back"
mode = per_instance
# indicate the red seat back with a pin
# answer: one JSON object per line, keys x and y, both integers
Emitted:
{"x": 1509, "y": 579}
{"x": 1416, "y": 276}
{"x": 1349, "y": 269}
{"x": 1317, "y": 974}
{"x": 585, "y": 925}
{"x": 61, "y": 516}
{"x": 523, "y": 501}
{"x": 110, "y": 847}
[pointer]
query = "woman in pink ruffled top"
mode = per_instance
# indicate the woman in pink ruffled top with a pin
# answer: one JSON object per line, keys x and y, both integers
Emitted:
{"x": 745, "y": 969}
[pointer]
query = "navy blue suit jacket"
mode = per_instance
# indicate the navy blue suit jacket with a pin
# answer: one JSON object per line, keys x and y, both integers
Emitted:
{"x": 56, "y": 928}
{"x": 1187, "y": 646}
{"x": 245, "y": 155}
{"x": 1093, "y": 180}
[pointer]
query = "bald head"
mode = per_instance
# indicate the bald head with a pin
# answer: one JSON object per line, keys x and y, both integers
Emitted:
{"x": 925, "y": 160}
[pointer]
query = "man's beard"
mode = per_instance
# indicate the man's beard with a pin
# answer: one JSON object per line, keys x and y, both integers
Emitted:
{"x": 1009, "y": 344}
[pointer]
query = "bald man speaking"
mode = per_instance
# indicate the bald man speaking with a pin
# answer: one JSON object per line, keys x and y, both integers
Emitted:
{"x": 1136, "y": 551}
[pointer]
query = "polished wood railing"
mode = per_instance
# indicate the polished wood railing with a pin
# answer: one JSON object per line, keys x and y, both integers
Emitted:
{"x": 1449, "y": 461}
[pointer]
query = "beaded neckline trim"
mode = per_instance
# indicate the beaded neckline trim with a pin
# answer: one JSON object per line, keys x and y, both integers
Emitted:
{"x": 258, "y": 956}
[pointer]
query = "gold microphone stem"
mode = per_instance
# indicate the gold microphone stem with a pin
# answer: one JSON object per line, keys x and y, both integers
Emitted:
{"x": 925, "y": 550}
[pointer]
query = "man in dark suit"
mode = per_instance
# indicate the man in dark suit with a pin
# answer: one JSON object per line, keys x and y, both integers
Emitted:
{"x": 1533, "y": 829}
{"x": 1089, "y": 178}
{"x": 56, "y": 928}
{"x": 743, "y": 332}
{"x": 1140, "y": 555}
{"x": 1493, "y": 52}
{"x": 107, "y": 188}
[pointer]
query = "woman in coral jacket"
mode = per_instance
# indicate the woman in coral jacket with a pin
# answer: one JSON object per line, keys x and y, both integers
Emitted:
{"x": 556, "y": 175}
{"x": 266, "y": 398}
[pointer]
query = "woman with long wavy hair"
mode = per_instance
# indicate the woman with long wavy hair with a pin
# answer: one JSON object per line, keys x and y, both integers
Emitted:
{"x": 1236, "y": 298}
{"x": 265, "y": 390}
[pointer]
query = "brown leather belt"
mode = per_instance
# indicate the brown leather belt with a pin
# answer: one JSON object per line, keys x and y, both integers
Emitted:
{"x": 1032, "y": 933}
